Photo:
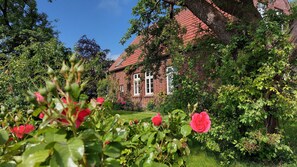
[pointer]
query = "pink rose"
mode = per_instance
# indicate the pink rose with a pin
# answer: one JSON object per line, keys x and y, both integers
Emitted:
{"x": 200, "y": 122}
{"x": 157, "y": 120}
{"x": 100, "y": 100}
{"x": 41, "y": 115}
{"x": 39, "y": 97}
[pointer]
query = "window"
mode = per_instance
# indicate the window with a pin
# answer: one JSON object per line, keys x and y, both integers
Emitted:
{"x": 261, "y": 8}
{"x": 149, "y": 83}
{"x": 121, "y": 89}
{"x": 136, "y": 84}
{"x": 169, "y": 77}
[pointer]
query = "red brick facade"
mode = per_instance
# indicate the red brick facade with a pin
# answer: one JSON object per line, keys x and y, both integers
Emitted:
{"x": 126, "y": 81}
{"x": 195, "y": 29}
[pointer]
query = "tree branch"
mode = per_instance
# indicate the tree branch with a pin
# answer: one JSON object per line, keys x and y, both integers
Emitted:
{"x": 247, "y": 13}
{"x": 212, "y": 17}
{"x": 172, "y": 2}
{"x": 4, "y": 11}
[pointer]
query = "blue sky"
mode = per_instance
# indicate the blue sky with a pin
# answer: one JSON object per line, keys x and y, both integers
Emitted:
{"x": 104, "y": 20}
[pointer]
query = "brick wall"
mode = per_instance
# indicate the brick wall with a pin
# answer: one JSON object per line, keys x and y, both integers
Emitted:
{"x": 127, "y": 81}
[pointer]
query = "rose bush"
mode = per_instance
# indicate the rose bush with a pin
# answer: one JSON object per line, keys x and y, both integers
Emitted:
{"x": 65, "y": 128}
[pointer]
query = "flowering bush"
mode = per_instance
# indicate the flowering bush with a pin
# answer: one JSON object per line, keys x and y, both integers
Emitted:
{"x": 65, "y": 128}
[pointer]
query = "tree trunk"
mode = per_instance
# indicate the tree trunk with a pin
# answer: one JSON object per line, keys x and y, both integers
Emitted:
{"x": 212, "y": 15}
{"x": 271, "y": 124}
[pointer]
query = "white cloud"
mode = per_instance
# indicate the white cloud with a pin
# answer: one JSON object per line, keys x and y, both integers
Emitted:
{"x": 113, "y": 6}
{"x": 113, "y": 56}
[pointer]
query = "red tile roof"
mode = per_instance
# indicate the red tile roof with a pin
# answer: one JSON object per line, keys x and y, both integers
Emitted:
{"x": 123, "y": 61}
{"x": 185, "y": 18}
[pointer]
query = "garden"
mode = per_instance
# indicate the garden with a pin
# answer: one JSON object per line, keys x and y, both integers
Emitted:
{"x": 234, "y": 102}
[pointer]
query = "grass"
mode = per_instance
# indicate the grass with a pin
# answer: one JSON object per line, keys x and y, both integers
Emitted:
{"x": 132, "y": 115}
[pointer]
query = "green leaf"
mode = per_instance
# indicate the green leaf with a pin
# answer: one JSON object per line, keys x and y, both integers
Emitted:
{"x": 3, "y": 136}
{"x": 8, "y": 164}
{"x": 172, "y": 147}
{"x": 55, "y": 136}
{"x": 159, "y": 164}
{"x": 151, "y": 138}
{"x": 38, "y": 111}
{"x": 145, "y": 136}
{"x": 113, "y": 150}
{"x": 186, "y": 130}
{"x": 135, "y": 138}
{"x": 161, "y": 135}
{"x": 35, "y": 158}
{"x": 68, "y": 154}
{"x": 111, "y": 162}
{"x": 31, "y": 149}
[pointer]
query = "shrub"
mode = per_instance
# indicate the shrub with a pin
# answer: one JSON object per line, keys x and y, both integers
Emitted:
{"x": 65, "y": 129}
{"x": 150, "y": 105}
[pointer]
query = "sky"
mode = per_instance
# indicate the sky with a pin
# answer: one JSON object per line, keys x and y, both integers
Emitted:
{"x": 106, "y": 21}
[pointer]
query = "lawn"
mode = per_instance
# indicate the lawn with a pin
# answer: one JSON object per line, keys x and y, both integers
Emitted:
{"x": 132, "y": 115}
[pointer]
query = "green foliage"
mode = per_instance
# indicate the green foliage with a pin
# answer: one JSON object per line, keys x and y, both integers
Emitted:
{"x": 22, "y": 24}
{"x": 248, "y": 85}
{"x": 77, "y": 132}
{"x": 254, "y": 95}
{"x": 96, "y": 64}
{"x": 151, "y": 145}
{"x": 28, "y": 44}
{"x": 150, "y": 106}
{"x": 102, "y": 87}
{"x": 27, "y": 71}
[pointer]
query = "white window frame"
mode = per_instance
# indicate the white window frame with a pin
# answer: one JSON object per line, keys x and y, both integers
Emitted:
{"x": 149, "y": 83}
{"x": 261, "y": 8}
{"x": 136, "y": 84}
{"x": 169, "y": 79}
{"x": 121, "y": 88}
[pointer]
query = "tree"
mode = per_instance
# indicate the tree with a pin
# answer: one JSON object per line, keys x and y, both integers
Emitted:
{"x": 21, "y": 24}
{"x": 96, "y": 63}
{"x": 28, "y": 44}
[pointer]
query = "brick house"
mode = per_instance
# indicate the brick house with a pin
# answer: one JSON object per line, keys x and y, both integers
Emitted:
{"x": 141, "y": 87}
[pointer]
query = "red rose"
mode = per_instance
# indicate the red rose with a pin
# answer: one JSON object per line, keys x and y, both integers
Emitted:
{"x": 19, "y": 131}
{"x": 107, "y": 142}
{"x": 200, "y": 122}
{"x": 39, "y": 97}
{"x": 100, "y": 100}
{"x": 81, "y": 114}
{"x": 157, "y": 120}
